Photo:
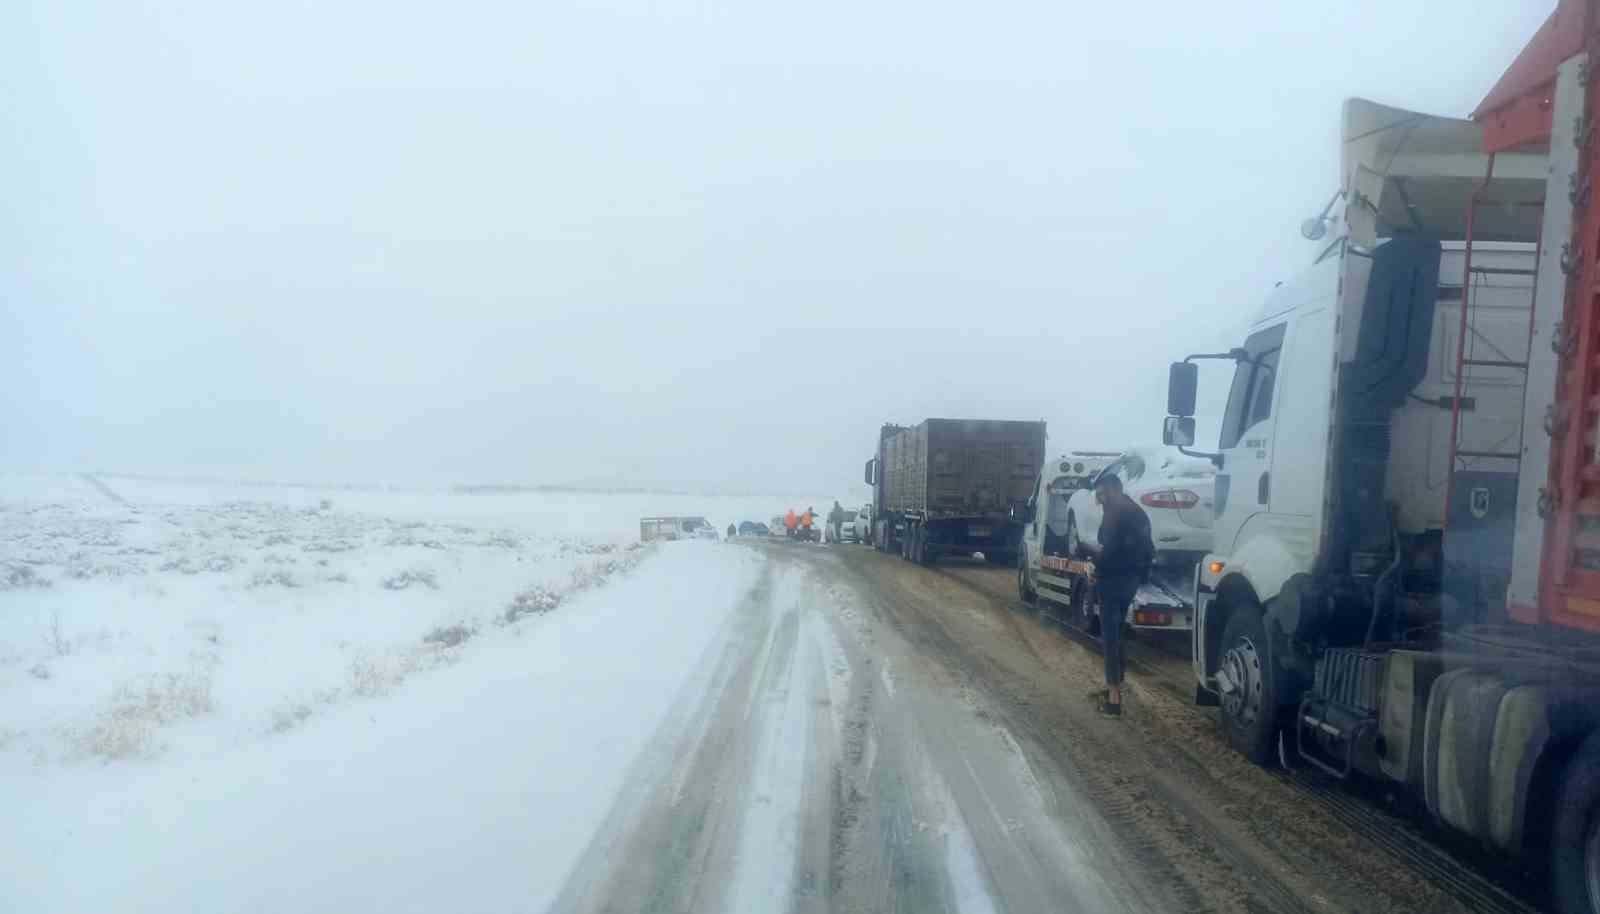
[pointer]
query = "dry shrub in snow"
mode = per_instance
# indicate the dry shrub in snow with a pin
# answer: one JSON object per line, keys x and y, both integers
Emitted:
{"x": 411, "y": 576}
{"x": 530, "y": 602}
{"x": 14, "y": 576}
{"x": 213, "y": 563}
{"x": 127, "y": 728}
{"x": 449, "y": 635}
{"x": 371, "y": 677}
{"x": 277, "y": 577}
{"x": 286, "y": 719}
{"x": 542, "y": 599}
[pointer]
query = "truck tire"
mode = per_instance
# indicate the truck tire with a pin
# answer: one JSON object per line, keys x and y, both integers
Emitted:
{"x": 919, "y": 546}
{"x": 1025, "y": 589}
{"x": 1248, "y": 717}
{"x": 1575, "y": 836}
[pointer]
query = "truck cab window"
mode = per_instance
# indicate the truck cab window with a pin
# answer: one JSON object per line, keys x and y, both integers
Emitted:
{"x": 1266, "y": 376}
{"x": 1250, "y": 397}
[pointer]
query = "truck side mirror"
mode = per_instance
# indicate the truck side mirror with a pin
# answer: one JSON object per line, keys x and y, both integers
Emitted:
{"x": 1178, "y": 430}
{"x": 1183, "y": 378}
{"x": 870, "y": 473}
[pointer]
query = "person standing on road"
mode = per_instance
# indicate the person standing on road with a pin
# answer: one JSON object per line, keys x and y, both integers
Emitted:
{"x": 836, "y": 522}
{"x": 789, "y": 523}
{"x": 732, "y": 531}
{"x": 1126, "y": 551}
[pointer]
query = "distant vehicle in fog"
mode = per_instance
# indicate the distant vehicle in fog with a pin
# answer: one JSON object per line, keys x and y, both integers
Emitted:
{"x": 659, "y": 529}
{"x": 753, "y": 528}
{"x": 949, "y": 487}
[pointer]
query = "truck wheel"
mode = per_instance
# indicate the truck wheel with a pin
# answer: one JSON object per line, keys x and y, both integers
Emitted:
{"x": 919, "y": 546}
{"x": 1575, "y": 836}
{"x": 1248, "y": 718}
{"x": 1024, "y": 584}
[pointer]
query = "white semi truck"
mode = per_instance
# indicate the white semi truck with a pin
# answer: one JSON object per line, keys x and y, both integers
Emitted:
{"x": 1405, "y": 584}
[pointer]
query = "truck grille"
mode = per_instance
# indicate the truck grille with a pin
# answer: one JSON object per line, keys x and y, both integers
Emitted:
{"x": 1350, "y": 677}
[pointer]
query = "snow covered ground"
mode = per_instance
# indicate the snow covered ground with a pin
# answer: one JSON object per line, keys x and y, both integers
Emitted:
{"x": 213, "y": 697}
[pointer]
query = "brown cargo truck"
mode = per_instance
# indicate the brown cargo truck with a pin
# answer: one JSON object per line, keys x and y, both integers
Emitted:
{"x": 947, "y": 486}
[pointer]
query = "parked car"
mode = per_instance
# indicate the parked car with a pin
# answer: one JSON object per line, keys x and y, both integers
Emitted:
{"x": 847, "y": 530}
{"x": 1176, "y": 492}
{"x": 753, "y": 528}
{"x": 776, "y": 527}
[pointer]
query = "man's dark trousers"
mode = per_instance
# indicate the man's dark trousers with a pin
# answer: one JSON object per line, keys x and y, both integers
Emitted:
{"x": 1115, "y": 595}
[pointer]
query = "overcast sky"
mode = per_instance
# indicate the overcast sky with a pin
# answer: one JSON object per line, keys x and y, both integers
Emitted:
{"x": 683, "y": 243}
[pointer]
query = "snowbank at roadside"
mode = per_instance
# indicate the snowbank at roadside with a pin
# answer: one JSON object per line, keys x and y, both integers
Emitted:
{"x": 252, "y": 698}
{"x": 472, "y": 787}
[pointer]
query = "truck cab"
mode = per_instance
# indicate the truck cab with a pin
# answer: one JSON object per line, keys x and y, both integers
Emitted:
{"x": 1360, "y": 394}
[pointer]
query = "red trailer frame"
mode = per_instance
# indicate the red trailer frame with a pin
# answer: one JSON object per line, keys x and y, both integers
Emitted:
{"x": 1517, "y": 112}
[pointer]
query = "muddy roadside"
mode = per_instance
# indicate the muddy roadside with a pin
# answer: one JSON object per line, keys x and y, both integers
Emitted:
{"x": 1237, "y": 837}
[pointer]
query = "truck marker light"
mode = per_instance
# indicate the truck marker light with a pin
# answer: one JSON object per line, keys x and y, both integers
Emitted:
{"x": 1216, "y": 567}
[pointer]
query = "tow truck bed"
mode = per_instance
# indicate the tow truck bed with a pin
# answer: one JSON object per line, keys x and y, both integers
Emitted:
{"x": 1158, "y": 605}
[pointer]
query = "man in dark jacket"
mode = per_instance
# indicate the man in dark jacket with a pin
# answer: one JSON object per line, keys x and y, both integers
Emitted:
{"x": 1126, "y": 551}
{"x": 836, "y": 523}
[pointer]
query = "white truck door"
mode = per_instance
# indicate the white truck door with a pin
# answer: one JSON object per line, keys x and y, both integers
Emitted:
{"x": 1038, "y": 504}
{"x": 1244, "y": 481}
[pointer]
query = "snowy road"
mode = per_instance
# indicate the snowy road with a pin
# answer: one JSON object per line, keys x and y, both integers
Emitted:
{"x": 426, "y": 703}
{"x": 818, "y": 761}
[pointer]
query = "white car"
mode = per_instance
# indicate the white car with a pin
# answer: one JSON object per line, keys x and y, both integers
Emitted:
{"x": 847, "y": 530}
{"x": 1176, "y": 492}
{"x": 863, "y": 524}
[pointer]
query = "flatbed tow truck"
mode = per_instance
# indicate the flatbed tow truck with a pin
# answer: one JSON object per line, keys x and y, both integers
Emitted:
{"x": 1048, "y": 575}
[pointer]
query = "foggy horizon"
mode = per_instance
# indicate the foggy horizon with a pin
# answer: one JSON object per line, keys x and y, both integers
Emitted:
{"x": 689, "y": 246}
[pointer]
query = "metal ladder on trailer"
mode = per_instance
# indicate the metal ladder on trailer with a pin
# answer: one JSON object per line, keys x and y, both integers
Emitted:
{"x": 1487, "y": 456}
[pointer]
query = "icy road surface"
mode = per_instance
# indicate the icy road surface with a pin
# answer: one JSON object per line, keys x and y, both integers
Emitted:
{"x": 817, "y": 761}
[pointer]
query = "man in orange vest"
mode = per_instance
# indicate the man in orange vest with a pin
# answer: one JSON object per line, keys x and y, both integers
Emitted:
{"x": 789, "y": 522}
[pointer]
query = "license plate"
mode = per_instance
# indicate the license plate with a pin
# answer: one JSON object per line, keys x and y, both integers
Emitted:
{"x": 980, "y": 531}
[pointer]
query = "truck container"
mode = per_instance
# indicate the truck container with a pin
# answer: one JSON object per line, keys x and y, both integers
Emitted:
{"x": 948, "y": 487}
{"x": 1404, "y": 587}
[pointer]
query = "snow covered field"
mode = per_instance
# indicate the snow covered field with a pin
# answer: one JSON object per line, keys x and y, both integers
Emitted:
{"x": 211, "y": 696}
